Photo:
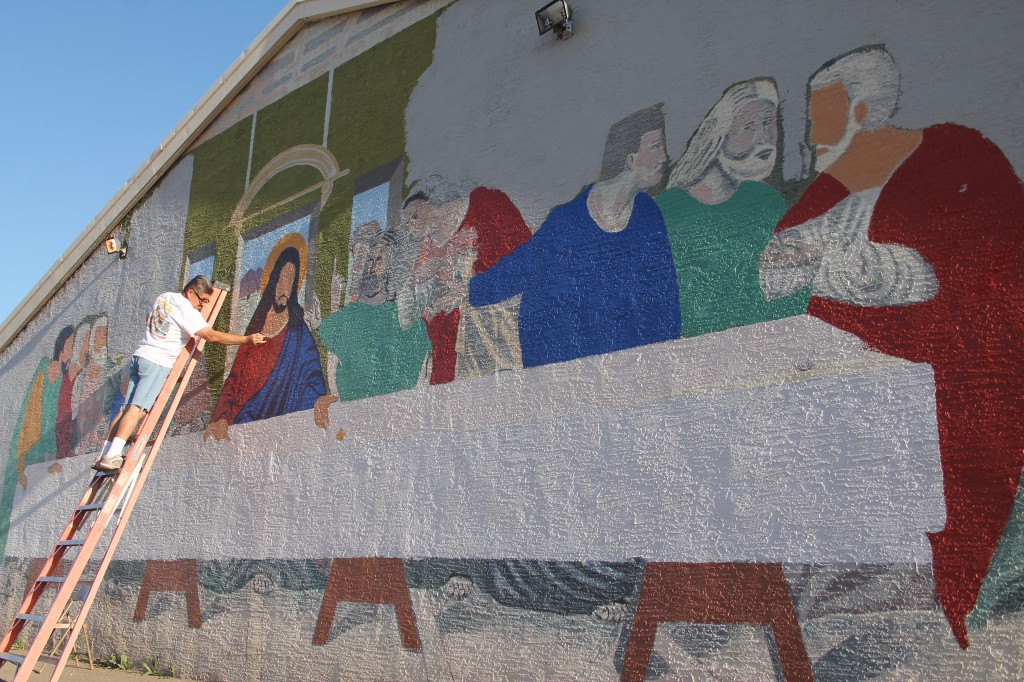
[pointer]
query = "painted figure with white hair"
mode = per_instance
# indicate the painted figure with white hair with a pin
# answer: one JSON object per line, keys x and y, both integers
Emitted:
{"x": 720, "y": 213}
{"x": 911, "y": 239}
{"x": 376, "y": 355}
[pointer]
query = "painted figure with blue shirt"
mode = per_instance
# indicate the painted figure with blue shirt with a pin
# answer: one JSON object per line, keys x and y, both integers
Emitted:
{"x": 598, "y": 275}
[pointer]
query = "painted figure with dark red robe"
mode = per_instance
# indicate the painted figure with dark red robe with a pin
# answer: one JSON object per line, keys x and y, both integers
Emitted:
{"x": 913, "y": 241}
{"x": 460, "y": 233}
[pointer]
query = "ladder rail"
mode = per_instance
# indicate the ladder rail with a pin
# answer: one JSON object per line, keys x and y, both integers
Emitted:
{"x": 122, "y": 489}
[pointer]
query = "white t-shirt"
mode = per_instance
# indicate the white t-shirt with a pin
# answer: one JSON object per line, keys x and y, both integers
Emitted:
{"x": 171, "y": 323}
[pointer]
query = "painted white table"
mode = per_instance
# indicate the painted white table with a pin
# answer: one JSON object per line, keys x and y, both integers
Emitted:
{"x": 780, "y": 442}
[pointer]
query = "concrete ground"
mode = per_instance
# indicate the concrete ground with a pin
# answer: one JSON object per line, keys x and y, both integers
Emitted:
{"x": 80, "y": 674}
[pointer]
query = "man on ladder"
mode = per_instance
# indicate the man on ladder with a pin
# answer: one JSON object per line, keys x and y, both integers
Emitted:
{"x": 174, "y": 319}
{"x": 112, "y": 492}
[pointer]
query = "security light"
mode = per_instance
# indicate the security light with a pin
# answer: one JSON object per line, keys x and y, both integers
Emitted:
{"x": 555, "y": 16}
{"x": 115, "y": 245}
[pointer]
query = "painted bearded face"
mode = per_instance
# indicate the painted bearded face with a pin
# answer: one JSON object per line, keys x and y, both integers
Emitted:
{"x": 373, "y": 283}
{"x": 833, "y": 124}
{"x": 285, "y": 284}
{"x": 417, "y": 216}
{"x": 750, "y": 146}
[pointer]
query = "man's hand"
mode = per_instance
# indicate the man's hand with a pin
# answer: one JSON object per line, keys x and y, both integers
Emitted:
{"x": 255, "y": 339}
{"x": 217, "y": 429}
{"x": 320, "y": 416}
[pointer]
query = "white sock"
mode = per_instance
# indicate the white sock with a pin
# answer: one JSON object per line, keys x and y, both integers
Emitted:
{"x": 112, "y": 449}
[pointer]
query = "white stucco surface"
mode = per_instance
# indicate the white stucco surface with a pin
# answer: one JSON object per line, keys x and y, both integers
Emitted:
{"x": 562, "y": 95}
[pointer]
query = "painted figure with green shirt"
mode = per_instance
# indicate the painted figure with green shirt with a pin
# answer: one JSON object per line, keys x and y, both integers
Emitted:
{"x": 375, "y": 355}
{"x": 720, "y": 213}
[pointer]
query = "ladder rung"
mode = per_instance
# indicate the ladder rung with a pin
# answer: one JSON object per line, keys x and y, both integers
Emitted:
{"x": 107, "y": 472}
{"x": 18, "y": 660}
{"x": 77, "y": 542}
{"x": 91, "y": 507}
{"x": 50, "y": 579}
{"x": 33, "y": 617}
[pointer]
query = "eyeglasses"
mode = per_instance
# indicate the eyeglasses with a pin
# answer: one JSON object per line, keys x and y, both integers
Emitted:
{"x": 203, "y": 300}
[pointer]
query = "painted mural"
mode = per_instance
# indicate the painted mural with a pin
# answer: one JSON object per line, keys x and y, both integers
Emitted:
{"x": 67, "y": 405}
{"x": 732, "y": 388}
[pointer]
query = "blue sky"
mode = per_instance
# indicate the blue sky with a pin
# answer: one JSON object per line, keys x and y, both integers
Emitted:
{"x": 89, "y": 91}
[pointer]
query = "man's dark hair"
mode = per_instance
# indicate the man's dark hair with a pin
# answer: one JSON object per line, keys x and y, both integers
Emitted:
{"x": 200, "y": 284}
{"x": 295, "y": 311}
{"x": 62, "y": 338}
{"x": 624, "y": 138}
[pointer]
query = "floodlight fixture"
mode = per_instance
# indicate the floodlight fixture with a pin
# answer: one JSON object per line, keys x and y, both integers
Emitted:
{"x": 555, "y": 16}
{"x": 118, "y": 246}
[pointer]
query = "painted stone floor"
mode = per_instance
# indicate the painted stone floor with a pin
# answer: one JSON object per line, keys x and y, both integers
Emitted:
{"x": 880, "y": 625}
{"x": 254, "y": 634}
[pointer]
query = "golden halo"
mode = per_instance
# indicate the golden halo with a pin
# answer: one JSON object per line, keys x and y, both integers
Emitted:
{"x": 293, "y": 239}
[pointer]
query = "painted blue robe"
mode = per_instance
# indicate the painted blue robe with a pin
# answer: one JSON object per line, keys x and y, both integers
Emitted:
{"x": 586, "y": 291}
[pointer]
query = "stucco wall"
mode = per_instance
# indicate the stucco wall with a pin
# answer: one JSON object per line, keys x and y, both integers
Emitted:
{"x": 584, "y": 359}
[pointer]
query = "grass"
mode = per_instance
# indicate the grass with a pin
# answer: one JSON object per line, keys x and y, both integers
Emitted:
{"x": 149, "y": 666}
{"x": 118, "y": 662}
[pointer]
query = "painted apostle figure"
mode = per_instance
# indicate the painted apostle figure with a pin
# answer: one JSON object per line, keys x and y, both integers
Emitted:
{"x": 461, "y": 231}
{"x": 375, "y": 354}
{"x": 598, "y": 275}
{"x": 720, "y": 213}
{"x": 911, "y": 240}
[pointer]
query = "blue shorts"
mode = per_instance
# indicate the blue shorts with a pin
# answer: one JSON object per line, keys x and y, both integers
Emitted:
{"x": 145, "y": 381}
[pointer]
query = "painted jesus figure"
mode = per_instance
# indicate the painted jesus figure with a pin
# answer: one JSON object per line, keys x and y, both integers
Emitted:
{"x": 283, "y": 375}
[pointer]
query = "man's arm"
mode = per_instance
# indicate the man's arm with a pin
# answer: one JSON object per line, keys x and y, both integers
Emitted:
{"x": 511, "y": 275}
{"x": 225, "y": 339}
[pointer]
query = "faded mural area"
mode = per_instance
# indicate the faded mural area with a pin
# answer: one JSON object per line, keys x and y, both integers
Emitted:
{"x": 603, "y": 359}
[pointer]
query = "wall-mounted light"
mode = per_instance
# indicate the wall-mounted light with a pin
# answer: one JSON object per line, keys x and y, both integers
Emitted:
{"x": 555, "y": 16}
{"x": 115, "y": 245}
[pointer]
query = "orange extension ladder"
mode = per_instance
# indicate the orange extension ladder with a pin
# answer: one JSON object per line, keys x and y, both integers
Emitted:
{"x": 109, "y": 497}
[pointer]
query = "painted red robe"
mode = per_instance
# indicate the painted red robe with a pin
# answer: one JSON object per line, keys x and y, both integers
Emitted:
{"x": 500, "y": 229}
{"x": 65, "y": 426}
{"x": 958, "y": 202}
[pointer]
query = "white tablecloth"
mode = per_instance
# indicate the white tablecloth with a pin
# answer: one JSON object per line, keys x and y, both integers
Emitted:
{"x": 785, "y": 441}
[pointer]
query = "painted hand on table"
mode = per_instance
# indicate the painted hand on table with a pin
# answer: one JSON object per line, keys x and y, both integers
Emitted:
{"x": 320, "y": 416}
{"x": 217, "y": 429}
